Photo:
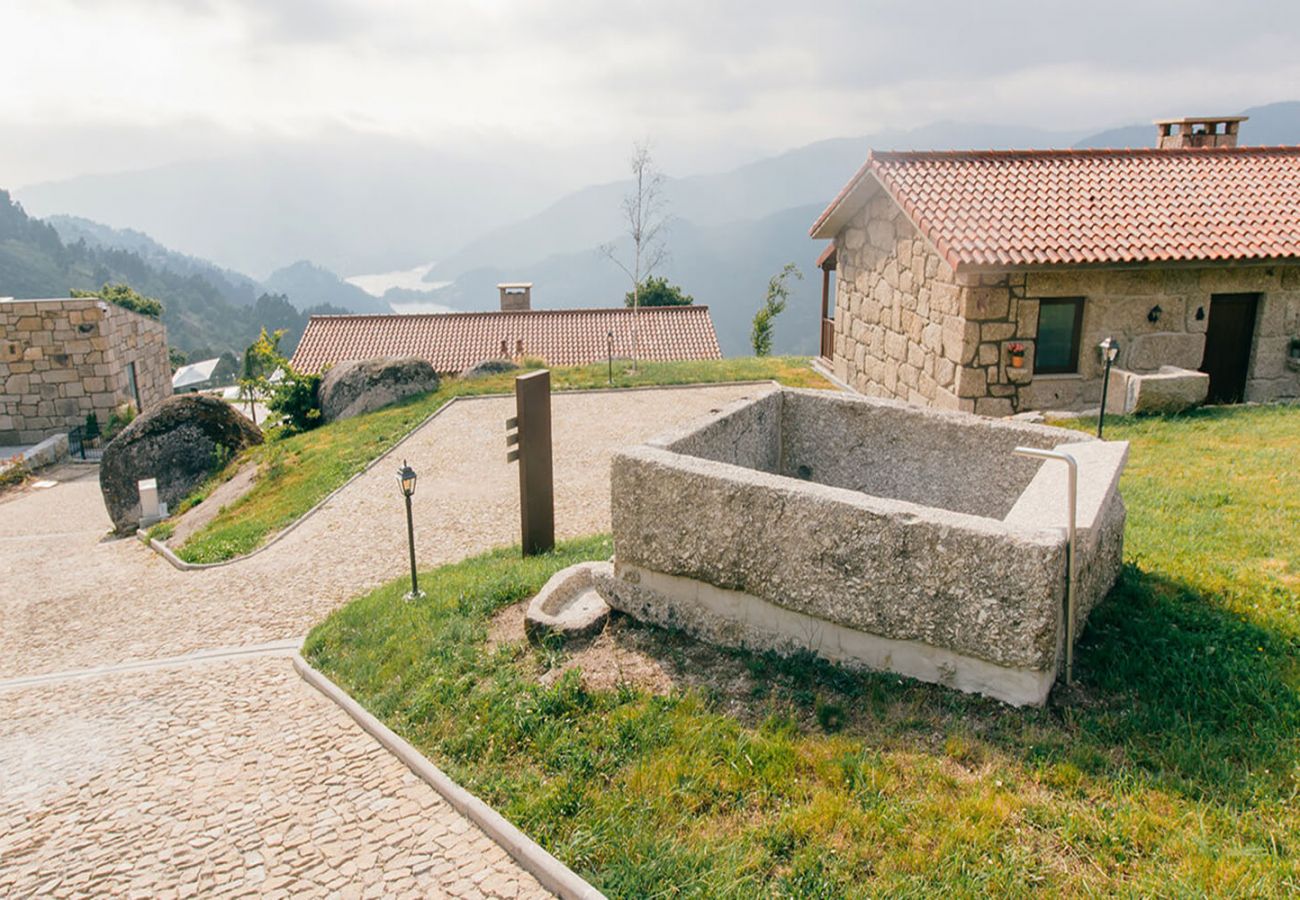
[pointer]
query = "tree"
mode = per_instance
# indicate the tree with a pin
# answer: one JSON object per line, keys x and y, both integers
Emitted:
{"x": 176, "y": 357}
{"x": 643, "y": 209}
{"x": 658, "y": 292}
{"x": 760, "y": 335}
{"x": 261, "y": 360}
{"x": 122, "y": 295}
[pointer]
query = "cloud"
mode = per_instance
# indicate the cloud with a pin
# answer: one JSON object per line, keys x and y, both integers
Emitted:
{"x": 711, "y": 81}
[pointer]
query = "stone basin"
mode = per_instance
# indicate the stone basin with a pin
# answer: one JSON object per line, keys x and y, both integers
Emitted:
{"x": 870, "y": 532}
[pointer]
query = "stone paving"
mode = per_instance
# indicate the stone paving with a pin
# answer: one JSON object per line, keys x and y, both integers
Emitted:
{"x": 233, "y": 776}
{"x": 85, "y": 600}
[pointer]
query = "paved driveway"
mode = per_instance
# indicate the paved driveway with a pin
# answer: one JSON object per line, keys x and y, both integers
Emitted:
{"x": 230, "y": 774}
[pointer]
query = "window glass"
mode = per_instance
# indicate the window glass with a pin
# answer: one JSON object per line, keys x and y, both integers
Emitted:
{"x": 1057, "y": 349}
{"x": 131, "y": 385}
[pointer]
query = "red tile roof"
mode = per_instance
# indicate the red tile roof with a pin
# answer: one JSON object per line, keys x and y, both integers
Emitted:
{"x": 452, "y": 342}
{"x": 1010, "y": 208}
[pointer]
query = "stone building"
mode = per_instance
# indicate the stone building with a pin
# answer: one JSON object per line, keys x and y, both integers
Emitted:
{"x": 62, "y": 359}
{"x": 944, "y": 264}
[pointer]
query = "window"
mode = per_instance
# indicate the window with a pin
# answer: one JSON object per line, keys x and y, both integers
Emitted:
{"x": 1060, "y": 320}
{"x": 132, "y": 386}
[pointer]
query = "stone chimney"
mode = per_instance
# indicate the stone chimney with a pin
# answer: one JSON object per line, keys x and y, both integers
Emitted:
{"x": 516, "y": 297}
{"x": 1198, "y": 131}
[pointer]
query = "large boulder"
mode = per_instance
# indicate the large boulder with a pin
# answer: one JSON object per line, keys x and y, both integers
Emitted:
{"x": 179, "y": 442}
{"x": 352, "y": 388}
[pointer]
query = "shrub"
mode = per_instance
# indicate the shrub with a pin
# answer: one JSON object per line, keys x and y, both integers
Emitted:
{"x": 296, "y": 397}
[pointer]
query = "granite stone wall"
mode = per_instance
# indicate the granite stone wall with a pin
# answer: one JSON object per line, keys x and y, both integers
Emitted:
{"x": 908, "y": 327}
{"x": 63, "y": 359}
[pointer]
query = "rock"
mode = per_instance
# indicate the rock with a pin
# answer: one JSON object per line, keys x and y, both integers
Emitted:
{"x": 179, "y": 442}
{"x": 489, "y": 367}
{"x": 568, "y": 604}
{"x": 1169, "y": 390}
{"x": 352, "y": 388}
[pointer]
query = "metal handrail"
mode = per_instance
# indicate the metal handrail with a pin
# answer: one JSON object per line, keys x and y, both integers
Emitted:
{"x": 1073, "y": 492}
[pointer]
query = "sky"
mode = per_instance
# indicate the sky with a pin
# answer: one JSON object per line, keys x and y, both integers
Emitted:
{"x": 90, "y": 86}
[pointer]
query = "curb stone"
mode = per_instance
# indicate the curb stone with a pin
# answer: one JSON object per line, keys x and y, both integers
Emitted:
{"x": 553, "y": 875}
{"x": 168, "y": 554}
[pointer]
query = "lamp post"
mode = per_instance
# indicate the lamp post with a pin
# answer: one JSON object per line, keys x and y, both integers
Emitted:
{"x": 406, "y": 478}
{"x": 1110, "y": 352}
{"x": 610, "y": 336}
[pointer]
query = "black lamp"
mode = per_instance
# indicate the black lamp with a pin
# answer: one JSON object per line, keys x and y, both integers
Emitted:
{"x": 406, "y": 478}
{"x": 1154, "y": 314}
{"x": 1109, "y": 352}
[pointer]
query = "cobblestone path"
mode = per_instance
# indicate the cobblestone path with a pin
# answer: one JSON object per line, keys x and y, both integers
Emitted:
{"x": 232, "y": 776}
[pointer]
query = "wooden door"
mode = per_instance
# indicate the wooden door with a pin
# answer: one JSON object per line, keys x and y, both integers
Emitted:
{"x": 1227, "y": 345}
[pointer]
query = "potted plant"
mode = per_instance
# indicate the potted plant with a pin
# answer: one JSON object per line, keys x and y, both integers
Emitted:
{"x": 1016, "y": 351}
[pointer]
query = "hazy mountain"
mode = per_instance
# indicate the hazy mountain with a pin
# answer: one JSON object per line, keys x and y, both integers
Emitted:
{"x": 235, "y": 287}
{"x": 810, "y": 174}
{"x": 723, "y": 266}
{"x": 351, "y": 203}
{"x": 1269, "y": 125}
{"x": 307, "y": 284}
{"x": 36, "y": 262}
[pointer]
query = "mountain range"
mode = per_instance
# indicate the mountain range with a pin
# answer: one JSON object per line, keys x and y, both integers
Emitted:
{"x": 353, "y": 213}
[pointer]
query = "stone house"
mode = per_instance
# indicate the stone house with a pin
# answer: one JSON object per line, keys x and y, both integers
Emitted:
{"x": 62, "y": 359}
{"x": 942, "y": 264}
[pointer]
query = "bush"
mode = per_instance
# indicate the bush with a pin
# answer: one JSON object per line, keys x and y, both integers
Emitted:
{"x": 297, "y": 398}
{"x": 658, "y": 292}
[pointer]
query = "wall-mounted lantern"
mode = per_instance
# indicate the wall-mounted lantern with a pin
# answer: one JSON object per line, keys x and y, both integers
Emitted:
{"x": 1154, "y": 314}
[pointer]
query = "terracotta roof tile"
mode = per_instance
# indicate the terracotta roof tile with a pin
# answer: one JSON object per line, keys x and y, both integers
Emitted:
{"x": 452, "y": 342}
{"x": 1007, "y": 208}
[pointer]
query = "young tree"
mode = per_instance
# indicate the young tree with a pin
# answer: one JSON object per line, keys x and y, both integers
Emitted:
{"x": 261, "y": 359}
{"x": 760, "y": 335}
{"x": 658, "y": 292}
{"x": 643, "y": 209}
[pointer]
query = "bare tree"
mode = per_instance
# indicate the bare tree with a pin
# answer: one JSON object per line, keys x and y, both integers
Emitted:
{"x": 643, "y": 209}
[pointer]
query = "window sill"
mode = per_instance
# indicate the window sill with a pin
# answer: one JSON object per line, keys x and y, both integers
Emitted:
{"x": 1058, "y": 376}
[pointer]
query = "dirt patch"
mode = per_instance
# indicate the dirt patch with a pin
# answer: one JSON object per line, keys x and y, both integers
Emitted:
{"x": 633, "y": 654}
{"x": 225, "y": 494}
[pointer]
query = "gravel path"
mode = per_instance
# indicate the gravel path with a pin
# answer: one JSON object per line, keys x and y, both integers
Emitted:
{"x": 233, "y": 776}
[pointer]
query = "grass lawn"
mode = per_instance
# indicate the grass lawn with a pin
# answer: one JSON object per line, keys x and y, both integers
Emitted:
{"x": 1172, "y": 768}
{"x": 297, "y": 472}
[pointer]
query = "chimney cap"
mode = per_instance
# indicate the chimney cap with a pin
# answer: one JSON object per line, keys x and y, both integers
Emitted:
{"x": 514, "y": 285}
{"x": 1199, "y": 120}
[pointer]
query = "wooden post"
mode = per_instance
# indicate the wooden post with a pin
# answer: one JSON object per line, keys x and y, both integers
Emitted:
{"x": 531, "y": 443}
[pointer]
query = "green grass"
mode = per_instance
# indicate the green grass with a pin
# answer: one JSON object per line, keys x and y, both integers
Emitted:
{"x": 1172, "y": 769}
{"x": 297, "y": 472}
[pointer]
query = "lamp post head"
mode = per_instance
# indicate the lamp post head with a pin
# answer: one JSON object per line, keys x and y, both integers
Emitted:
{"x": 1109, "y": 349}
{"x": 406, "y": 477}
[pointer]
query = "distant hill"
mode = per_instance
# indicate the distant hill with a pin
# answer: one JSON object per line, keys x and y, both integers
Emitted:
{"x": 235, "y": 287}
{"x": 304, "y": 282}
{"x": 200, "y": 318}
{"x": 353, "y": 203}
{"x": 1269, "y": 125}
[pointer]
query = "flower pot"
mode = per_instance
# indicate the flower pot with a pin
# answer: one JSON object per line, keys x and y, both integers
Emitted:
{"x": 1017, "y": 360}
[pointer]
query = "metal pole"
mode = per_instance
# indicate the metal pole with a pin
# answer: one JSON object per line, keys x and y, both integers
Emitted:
{"x": 611, "y": 359}
{"x": 1105, "y": 388}
{"x": 1073, "y": 493}
{"x": 410, "y": 539}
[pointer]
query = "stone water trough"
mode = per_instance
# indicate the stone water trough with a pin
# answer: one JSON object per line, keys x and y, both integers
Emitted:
{"x": 872, "y": 533}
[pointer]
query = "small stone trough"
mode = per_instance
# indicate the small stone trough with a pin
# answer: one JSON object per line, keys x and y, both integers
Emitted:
{"x": 872, "y": 533}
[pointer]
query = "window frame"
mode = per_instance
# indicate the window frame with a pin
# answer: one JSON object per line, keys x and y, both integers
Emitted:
{"x": 1072, "y": 366}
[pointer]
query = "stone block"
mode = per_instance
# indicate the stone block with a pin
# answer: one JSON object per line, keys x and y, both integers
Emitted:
{"x": 993, "y": 406}
{"x": 987, "y": 302}
{"x": 1136, "y": 282}
{"x": 1149, "y": 352}
{"x": 971, "y": 382}
{"x": 997, "y": 331}
{"x": 31, "y": 354}
{"x": 1027, "y": 318}
{"x": 1169, "y": 390}
{"x": 880, "y": 232}
{"x": 988, "y": 354}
